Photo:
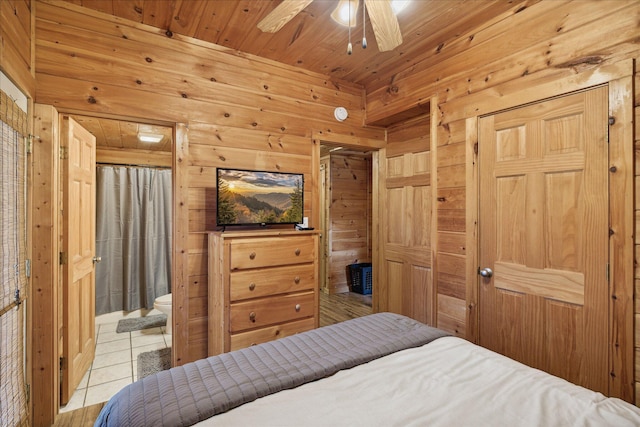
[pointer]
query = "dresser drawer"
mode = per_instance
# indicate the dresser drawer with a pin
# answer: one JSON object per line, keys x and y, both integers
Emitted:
{"x": 246, "y": 339}
{"x": 271, "y": 281}
{"x": 268, "y": 311}
{"x": 273, "y": 251}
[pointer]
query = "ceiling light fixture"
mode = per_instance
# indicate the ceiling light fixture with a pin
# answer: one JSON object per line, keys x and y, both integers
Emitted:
{"x": 153, "y": 138}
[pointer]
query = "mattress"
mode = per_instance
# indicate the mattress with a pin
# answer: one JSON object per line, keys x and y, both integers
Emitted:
{"x": 187, "y": 394}
{"x": 448, "y": 382}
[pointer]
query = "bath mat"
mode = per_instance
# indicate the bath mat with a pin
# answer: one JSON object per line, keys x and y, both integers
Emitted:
{"x": 153, "y": 361}
{"x": 138, "y": 323}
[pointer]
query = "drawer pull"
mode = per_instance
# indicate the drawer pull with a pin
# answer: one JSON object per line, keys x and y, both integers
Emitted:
{"x": 252, "y": 286}
{"x": 296, "y": 280}
{"x": 297, "y": 252}
{"x": 297, "y": 307}
{"x": 252, "y": 255}
{"x": 252, "y": 316}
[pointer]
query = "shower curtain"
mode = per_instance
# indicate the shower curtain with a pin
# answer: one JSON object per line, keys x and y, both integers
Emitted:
{"x": 133, "y": 237}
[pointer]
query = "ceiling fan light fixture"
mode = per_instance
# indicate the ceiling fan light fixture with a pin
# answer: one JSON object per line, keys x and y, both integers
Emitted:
{"x": 346, "y": 12}
{"x": 399, "y": 5}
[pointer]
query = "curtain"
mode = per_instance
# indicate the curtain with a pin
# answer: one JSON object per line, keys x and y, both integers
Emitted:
{"x": 133, "y": 237}
{"x": 13, "y": 258}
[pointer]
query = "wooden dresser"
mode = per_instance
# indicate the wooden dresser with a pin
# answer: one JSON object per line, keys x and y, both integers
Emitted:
{"x": 263, "y": 285}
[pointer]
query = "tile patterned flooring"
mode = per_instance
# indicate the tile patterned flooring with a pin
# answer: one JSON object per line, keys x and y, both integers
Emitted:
{"x": 115, "y": 363}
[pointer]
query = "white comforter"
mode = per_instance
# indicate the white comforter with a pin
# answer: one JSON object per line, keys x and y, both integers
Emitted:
{"x": 449, "y": 382}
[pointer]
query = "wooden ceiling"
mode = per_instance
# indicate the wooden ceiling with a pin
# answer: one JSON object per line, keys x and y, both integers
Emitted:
{"x": 312, "y": 40}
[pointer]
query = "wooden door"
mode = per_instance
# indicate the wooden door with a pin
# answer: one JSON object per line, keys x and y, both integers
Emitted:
{"x": 78, "y": 243}
{"x": 544, "y": 233}
{"x": 405, "y": 214}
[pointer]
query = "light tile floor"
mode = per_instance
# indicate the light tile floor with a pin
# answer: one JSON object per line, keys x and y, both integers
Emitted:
{"x": 115, "y": 363}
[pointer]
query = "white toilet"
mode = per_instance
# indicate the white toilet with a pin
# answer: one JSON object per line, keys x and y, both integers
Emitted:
{"x": 163, "y": 304}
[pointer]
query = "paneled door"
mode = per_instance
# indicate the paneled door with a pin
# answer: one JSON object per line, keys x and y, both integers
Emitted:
{"x": 78, "y": 256}
{"x": 543, "y": 292}
{"x": 406, "y": 284}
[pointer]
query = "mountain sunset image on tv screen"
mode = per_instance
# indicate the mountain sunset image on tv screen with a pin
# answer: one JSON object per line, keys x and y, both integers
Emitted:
{"x": 247, "y": 197}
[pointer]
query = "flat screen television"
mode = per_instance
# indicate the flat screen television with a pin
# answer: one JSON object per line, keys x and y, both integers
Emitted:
{"x": 251, "y": 197}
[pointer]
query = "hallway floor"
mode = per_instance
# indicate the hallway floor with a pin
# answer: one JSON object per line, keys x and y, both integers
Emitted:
{"x": 115, "y": 364}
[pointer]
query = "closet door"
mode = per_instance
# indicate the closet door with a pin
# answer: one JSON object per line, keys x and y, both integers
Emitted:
{"x": 544, "y": 239}
{"x": 405, "y": 212}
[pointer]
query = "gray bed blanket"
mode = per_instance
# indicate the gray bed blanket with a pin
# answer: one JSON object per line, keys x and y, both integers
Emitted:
{"x": 187, "y": 394}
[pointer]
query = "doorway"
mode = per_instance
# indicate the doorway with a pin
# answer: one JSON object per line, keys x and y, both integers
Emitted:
{"x": 133, "y": 236}
{"x": 346, "y": 223}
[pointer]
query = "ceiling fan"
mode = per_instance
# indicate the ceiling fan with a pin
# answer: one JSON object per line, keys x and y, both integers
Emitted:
{"x": 383, "y": 20}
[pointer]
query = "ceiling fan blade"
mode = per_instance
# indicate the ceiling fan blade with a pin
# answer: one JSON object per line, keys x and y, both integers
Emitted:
{"x": 282, "y": 14}
{"x": 385, "y": 24}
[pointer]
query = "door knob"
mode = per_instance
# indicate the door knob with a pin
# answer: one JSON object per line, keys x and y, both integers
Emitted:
{"x": 485, "y": 272}
{"x": 97, "y": 259}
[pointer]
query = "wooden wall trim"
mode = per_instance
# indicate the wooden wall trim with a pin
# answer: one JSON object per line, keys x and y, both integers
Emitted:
{"x": 314, "y": 221}
{"x": 433, "y": 141}
{"x": 622, "y": 221}
{"x": 128, "y": 156}
{"x": 471, "y": 227}
{"x": 350, "y": 140}
{"x": 44, "y": 268}
{"x": 180, "y": 256}
{"x": 380, "y": 300}
{"x": 376, "y": 233}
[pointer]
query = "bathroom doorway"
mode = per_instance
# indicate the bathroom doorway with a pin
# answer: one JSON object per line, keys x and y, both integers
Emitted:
{"x": 134, "y": 245}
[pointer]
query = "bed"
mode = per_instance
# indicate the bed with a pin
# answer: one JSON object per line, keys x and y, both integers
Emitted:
{"x": 379, "y": 370}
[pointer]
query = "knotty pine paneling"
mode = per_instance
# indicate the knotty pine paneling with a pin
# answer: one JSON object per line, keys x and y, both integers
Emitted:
{"x": 449, "y": 313}
{"x": 16, "y": 44}
{"x": 557, "y": 36}
{"x": 241, "y": 111}
{"x": 452, "y": 242}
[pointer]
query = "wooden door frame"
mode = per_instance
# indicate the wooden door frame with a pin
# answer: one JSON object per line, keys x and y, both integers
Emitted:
{"x": 361, "y": 144}
{"x": 43, "y": 350}
{"x": 619, "y": 78}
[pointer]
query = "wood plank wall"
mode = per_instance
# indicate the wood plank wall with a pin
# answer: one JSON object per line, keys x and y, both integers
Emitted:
{"x": 349, "y": 214}
{"x": 240, "y": 111}
{"x": 533, "y": 44}
{"x": 16, "y": 43}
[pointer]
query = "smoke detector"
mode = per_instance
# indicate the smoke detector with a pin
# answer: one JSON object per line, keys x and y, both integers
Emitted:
{"x": 341, "y": 114}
